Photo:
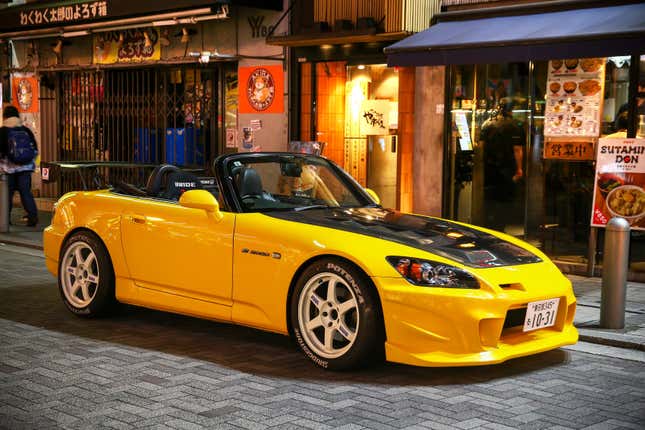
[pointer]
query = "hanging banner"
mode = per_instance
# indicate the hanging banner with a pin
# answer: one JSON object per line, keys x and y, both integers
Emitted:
{"x": 558, "y": 149}
{"x": 620, "y": 179}
{"x": 127, "y": 46}
{"x": 24, "y": 93}
{"x": 261, "y": 89}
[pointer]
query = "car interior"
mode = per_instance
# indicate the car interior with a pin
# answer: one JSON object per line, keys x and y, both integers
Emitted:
{"x": 168, "y": 182}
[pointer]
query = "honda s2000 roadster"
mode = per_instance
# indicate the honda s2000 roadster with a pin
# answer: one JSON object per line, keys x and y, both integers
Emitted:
{"x": 290, "y": 243}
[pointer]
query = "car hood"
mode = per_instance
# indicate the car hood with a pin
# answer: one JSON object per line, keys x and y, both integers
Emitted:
{"x": 466, "y": 245}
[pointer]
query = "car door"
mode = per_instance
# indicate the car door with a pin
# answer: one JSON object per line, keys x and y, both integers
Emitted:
{"x": 179, "y": 250}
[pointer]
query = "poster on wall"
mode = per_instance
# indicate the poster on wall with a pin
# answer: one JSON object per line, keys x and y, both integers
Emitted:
{"x": 127, "y": 46}
{"x": 261, "y": 89}
{"x": 574, "y": 97}
{"x": 619, "y": 182}
{"x": 24, "y": 92}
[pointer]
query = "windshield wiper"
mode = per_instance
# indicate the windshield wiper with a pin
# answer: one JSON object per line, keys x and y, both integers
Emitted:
{"x": 305, "y": 208}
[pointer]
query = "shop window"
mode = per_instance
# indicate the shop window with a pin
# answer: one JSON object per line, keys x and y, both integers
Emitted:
{"x": 548, "y": 202}
{"x": 640, "y": 100}
{"x": 146, "y": 116}
{"x": 616, "y": 97}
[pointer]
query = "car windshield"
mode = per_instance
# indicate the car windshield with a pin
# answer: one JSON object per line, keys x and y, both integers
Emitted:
{"x": 292, "y": 182}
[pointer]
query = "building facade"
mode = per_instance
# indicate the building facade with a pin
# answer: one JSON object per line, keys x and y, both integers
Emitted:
{"x": 345, "y": 95}
{"x": 143, "y": 82}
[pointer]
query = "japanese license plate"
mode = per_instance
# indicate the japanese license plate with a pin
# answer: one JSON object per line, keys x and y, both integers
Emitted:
{"x": 541, "y": 314}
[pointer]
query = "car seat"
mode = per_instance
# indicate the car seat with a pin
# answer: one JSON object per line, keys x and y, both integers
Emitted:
{"x": 249, "y": 184}
{"x": 178, "y": 183}
{"x": 158, "y": 179}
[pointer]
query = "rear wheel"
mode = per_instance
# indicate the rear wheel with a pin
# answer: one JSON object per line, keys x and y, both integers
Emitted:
{"x": 335, "y": 315}
{"x": 85, "y": 276}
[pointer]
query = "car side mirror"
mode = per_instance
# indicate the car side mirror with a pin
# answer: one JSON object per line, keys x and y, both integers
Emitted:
{"x": 201, "y": 199}
{"x": 373, "y": 195}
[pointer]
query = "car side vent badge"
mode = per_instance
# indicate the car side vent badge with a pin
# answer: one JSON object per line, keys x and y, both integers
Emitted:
{"x": 514, "y": 286}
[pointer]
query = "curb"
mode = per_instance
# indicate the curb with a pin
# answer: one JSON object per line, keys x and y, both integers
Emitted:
{"x": 23, "y": 244}
{"x": 610, "y": 342}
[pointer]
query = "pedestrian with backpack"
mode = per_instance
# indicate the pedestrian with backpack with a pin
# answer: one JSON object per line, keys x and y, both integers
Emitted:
{"x": 18, "y": 151}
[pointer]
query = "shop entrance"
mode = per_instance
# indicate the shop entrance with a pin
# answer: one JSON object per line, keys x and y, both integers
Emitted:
{"x": 148, "y": 116}
{"x": 353, "y": 108}
{"x": 489, "y": 146}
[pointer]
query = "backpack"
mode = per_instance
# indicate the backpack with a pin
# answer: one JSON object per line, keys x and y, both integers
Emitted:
{"x": 21, "y": 149}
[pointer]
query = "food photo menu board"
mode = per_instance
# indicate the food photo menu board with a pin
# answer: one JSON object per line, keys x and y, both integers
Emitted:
{"x": 620, "y": 178}
{"x": 574, "y": 97}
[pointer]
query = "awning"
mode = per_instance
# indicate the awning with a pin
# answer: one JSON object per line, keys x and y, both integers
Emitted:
{"x": 579, "y": 33}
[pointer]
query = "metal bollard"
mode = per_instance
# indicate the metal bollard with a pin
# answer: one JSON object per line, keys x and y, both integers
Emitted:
{"x": 614, "y": 273}
{"x": 4, "y": 203}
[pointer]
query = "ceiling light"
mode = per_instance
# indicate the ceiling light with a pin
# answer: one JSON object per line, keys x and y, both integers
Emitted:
{"x": 163, "y": 38}
{"x": 76, "y": 33}
{"x": 185, "y": 35}
{"x": 361, "y": 67}
{"x": 147, "y": 42}
{"x": 164, "y": 22}
{"x": 58, "y": 47}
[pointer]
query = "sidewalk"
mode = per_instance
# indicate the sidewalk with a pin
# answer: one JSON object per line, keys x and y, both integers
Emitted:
{"x": 587, "y": 291}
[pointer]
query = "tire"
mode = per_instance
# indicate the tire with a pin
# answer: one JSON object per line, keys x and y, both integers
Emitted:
{"x": 337, "y": 330}
{"x": 86, "y": 276}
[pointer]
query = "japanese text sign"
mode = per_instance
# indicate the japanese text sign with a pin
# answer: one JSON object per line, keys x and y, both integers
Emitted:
{"x": 619, "y": 182}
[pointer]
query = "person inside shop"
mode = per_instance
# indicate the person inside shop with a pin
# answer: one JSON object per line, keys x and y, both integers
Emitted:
{"x": 503, "y": 139}
{"x": 620, "y": 125}
{"x": 18, "y": 150}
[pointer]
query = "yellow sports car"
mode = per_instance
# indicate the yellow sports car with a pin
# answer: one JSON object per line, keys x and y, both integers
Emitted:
{"x": 290, "y": 243}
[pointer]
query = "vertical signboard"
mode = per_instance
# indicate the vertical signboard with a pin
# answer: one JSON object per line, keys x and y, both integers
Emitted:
{"x": 24, "y": 93}
{"x": 619, "y": 182}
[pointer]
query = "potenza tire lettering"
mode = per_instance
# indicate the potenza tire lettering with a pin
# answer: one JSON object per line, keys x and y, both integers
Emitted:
{"x": 335, "y": 316}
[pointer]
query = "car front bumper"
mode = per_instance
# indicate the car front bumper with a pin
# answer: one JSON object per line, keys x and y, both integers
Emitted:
{"x": 452, "y": 327}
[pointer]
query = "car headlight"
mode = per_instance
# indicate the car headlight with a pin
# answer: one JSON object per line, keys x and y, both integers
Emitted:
{"x": 432, "y": 274}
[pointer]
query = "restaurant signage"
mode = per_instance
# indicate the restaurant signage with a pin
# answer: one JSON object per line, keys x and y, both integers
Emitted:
{"x": 64, "y": 14}
{"x": 52, "y": 14}
{"x": 127, "y": 46}
{"x": 619, "y": 182}
{"x": 568, "y": 150}
{"x": 24, "y": 92}
{"x": 261, "y": 89}
{"x": 574, "y": 97}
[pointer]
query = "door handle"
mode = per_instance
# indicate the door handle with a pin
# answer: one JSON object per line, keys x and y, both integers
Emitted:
{"x": 137, "y": 219}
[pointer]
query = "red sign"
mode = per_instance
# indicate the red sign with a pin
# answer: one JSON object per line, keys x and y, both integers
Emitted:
{"x": 24, "y": 92}
{"x": 261, "y": 89}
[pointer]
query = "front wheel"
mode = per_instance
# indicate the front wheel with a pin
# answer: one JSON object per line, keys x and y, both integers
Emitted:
{"x": 335, "y": 315}
{"x": 85, "y": 276}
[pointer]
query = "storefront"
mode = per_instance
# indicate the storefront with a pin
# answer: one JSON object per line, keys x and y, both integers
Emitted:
{"x": 352, "y": 106}
{"x": 140, "y": 82}
{"x": 523, "y": 118}
{"x": 347, "y": 97}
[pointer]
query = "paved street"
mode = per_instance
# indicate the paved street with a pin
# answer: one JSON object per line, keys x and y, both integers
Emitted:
{"x": 145, "y": 369}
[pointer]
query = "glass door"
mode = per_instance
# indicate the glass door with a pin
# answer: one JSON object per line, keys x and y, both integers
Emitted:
{"x": 489, "y": 145}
